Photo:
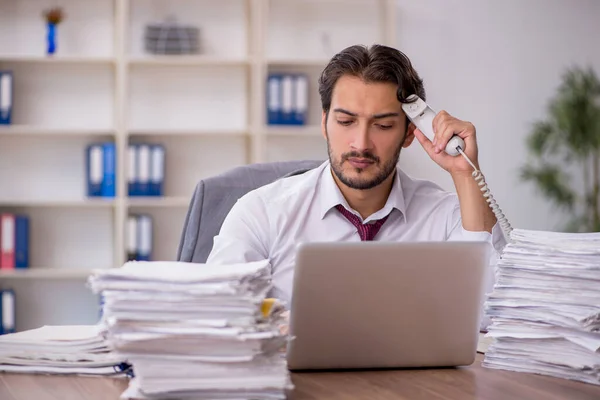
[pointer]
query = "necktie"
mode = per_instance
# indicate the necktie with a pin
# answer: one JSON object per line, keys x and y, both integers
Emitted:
{"x": 366, "y": 231}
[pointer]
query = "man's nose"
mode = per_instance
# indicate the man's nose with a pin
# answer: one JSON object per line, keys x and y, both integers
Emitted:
{"x": 361, "y": 140}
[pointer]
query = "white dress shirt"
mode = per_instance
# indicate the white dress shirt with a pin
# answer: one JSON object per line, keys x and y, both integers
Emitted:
{"x": 269, "y": 222}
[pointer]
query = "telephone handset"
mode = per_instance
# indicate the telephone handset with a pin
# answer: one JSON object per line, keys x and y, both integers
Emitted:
{"x": 420, "y": 114}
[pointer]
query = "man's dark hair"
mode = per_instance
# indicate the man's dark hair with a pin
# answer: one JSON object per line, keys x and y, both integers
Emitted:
{"x": 377, "y": 63}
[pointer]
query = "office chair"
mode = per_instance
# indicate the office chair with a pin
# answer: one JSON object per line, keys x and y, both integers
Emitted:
{"x": 214, "y": 197}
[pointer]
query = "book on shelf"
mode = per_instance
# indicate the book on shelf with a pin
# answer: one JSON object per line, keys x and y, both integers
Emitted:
{"x": 7, "y": 311}
{"x": 146, "y": 169}
{"x": 287, "y": 99}
{"x": 14, "y": 241}
{"x": 101, "y": 169}
{"x": 139, "y": 237}
{"x": 6, "y": 97}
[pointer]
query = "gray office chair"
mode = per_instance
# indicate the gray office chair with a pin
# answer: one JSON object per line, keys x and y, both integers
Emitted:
{"x": 214, "y": 197}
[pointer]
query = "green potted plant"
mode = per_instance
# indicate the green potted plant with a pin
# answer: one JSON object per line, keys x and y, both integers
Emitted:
{"x": 569, "y": 139}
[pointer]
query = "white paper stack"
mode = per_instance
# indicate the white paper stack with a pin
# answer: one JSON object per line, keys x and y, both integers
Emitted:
{"x": 66, "y": 349}
{"x": 545, "y": 306}
{"x": 195, "y": 330}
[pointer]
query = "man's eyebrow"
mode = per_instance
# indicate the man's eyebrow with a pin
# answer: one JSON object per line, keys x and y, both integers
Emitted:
{"x": 341, "y": 110}
{"x": 376, "y": 116}
{"x": 386, "y": 115}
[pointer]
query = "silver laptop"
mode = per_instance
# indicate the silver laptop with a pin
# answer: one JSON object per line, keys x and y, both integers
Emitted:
{"x": 386, "y": 305}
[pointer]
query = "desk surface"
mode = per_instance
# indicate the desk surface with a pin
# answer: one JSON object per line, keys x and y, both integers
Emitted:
{"x": 473, "y": 382}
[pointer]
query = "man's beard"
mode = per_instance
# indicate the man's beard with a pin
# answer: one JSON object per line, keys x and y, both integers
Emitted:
{"x": 357, "y": 183}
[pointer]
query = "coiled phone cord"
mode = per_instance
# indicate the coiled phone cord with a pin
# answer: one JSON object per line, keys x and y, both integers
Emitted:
{"x": 480, "y": 179}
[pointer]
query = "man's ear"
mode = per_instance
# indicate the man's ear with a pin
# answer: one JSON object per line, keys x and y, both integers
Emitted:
{"x": 323, "y": 124}
{"x": 410, "y": 135}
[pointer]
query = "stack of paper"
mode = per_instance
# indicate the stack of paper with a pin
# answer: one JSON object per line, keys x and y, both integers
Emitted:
{"x": 69, "y": 349}
{"x": 545, "y": 306}
{"x": 195, "y": 330}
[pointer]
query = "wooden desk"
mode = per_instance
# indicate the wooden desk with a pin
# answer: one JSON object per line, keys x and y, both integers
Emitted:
{"x": 468, "y": 383}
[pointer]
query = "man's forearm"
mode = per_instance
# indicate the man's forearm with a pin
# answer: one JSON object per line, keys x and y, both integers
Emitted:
{"x": 476, "y": 214}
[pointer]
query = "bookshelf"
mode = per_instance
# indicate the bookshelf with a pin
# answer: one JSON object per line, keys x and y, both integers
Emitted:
{"x": 208, "y": 110}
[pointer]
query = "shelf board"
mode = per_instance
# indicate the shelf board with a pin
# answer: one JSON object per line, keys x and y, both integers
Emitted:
{"x": 46, "y": 273}
{"x": 158, "y": 202}
{"x": 189, "y": 60}
{"x": 187, "y": 132}
{"x": 32, "y": 130}
{"x": 57, "y": 203}
{"x": 294, "y": 130}
{"x": 32, "y": 59}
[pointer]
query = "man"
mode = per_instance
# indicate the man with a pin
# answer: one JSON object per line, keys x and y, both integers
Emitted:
{"x": 360, "y": 194}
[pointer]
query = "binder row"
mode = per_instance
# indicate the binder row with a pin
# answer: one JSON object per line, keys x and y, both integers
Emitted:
{"x": 287, "y": 99}
{"x": 145, "y": 169}
{"x": 139, "y": 237}
{"x": 6, "y": 97}
{"x": 7, "y": 311}
{"x": 14, "y": 240}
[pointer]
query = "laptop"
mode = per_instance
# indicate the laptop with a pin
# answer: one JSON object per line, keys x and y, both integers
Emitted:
{"x": 364, "y": 305}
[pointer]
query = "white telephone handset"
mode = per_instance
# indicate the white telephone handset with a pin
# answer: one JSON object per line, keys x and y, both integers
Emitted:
{"x": 420, "y": 114}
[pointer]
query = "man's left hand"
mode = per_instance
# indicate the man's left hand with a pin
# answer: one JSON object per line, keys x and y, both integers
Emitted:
{"x": 444, "y": 127}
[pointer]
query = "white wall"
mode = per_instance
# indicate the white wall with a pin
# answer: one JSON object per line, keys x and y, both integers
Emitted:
{"x": 497, "y": 63}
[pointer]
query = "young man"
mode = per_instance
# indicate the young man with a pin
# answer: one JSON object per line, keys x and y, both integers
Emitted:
{"x": 360, "y": 193}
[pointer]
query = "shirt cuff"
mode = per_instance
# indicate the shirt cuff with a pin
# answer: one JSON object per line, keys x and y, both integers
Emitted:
{"x": 476, "y": 236}
{"x": 496, "y": 238}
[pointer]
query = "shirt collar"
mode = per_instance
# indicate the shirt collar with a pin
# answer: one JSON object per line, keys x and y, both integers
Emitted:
{"x": 331, "y": 196}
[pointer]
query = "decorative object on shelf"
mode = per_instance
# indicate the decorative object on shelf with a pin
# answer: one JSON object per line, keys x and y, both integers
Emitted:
{"x": 570, "y": 136}
{"x": 54, "y": 16}
{"x": 6, "y": 97}
{"x": 287, "y": 99}
{"x": 101, "y": 169}
{"x": 171, "y": 38}
{"x": 145, "y": 169}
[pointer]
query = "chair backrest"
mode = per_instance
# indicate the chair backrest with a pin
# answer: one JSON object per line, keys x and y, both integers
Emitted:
{"x": 214, "y": 197}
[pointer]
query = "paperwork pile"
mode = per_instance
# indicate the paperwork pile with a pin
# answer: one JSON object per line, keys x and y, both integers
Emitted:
{"x": 195, "y": 330}
{"x": 68, "y": 349}
{"x": 545, "y": 307}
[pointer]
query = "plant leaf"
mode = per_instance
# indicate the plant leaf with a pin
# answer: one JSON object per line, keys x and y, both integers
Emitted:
{"x": 544, "y": 138}
{"x": 551, "y": 182}
{"x": 575, "y": 110}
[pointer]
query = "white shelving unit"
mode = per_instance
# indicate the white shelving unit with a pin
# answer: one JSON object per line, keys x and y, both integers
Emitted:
{"x": 208, "y": 110}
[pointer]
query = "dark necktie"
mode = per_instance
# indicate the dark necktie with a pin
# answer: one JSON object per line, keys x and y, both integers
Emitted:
{"x": 366, "y": 231}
